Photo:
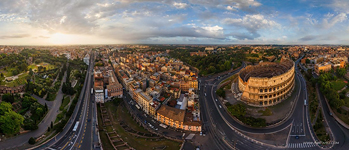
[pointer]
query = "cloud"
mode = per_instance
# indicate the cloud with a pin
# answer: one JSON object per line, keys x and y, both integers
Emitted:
{"x": 14, "y": 36}
{"x": 180, "y": 5}
{"x": 251, "y": 23}
{"x": 308, "y": 38}
{"x": 245, "y": 5}
{"x": 340, "y": 5}
{"x": 330, "y": 20}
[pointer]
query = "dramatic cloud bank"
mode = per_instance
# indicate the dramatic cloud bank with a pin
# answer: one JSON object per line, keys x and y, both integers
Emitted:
{"x": 174, "y": 22}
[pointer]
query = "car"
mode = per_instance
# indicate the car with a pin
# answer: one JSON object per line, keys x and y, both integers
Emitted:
{"x": 200, "y": 133}
{"x": 331, "y": 114}
{"x": 220, "y": 106}
{"x": 216, "y": 100}
{"x": 296, "y": 137}
{"x": 205, "y": 94}
{"x": 156, "y": 129}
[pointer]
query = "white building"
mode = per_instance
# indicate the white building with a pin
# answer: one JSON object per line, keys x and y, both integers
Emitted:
{"x": 99, "y": 95}
{"x": 87, "y": 59}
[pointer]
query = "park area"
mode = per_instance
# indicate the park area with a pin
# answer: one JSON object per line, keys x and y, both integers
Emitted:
{"x": 338, "y": 85}
{"x": 128, "y": 131}
{"x": 14, "y": 80}
{"x": 40, "y": 67}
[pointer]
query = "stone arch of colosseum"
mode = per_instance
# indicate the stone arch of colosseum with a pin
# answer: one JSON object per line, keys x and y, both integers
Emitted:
{"x": 267, "y": 83}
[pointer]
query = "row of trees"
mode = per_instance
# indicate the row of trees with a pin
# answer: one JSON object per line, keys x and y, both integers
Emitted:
{"x": 326, "y": 88}
{"x": 67, "y": 88}
{"x": 210, "y": 64}
{"x": 239, "y": 111}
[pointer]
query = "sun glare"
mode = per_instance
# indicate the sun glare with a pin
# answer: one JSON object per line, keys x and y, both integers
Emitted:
{"x": 59, "y": 38}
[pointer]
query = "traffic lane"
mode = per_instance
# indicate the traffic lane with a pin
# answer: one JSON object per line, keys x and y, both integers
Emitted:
{"x": 53, "y": 142}
{"x": 87, "y": 138}
{"x": 64, "y": 141}
{"x": 340, "y": 134}
{"x": 82, "y": 114}
{"x": 227, "y": 131}
{"x": 242, "y": 127}
{"x": 83, "y": 120}
{"x": 87, "y": 141}
{"x": 297, "y": 115}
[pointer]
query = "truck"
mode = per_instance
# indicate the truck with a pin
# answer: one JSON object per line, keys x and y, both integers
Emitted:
{"x": 76, "y": 126}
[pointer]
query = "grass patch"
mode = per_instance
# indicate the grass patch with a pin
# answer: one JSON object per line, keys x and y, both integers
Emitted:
{"x": 338, "y": 85}
{"x": 231, "y": 78}
{"x": 346, "y": 101}
{"x": 60, "y": 116}
{"x": 320, "y": 130}
{"x": 65, "y": 102}
{"x": 51, "y": 96}
{"x": 34, "y": 66}
{"x": 22, "y": 79}
{"x": 266, "y": 112}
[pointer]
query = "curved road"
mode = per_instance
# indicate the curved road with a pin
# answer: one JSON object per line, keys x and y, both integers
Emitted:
{"x": 299, "y": 119}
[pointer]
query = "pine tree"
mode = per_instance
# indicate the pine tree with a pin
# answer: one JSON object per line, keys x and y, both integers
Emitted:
{"x": 46, "y": 108}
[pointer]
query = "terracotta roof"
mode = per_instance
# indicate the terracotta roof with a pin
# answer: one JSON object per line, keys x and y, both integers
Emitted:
{"x": 172, "y": 113}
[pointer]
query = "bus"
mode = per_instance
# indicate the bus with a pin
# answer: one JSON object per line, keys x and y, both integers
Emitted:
{"x": 91, "y": 90}
{"x": 76, "y": 126}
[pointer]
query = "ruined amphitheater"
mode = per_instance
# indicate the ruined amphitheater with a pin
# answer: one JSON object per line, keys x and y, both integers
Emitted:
{"x": 267, "y": 83}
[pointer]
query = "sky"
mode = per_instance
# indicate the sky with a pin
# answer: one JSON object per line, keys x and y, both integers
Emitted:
{"x": 66, "y": 22}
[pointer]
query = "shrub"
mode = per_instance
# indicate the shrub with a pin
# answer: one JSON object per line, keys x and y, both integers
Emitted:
{"x": 31, "y": 141}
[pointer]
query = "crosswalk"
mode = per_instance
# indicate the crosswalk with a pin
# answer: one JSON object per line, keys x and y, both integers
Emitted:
{"x": 300, "y": 145}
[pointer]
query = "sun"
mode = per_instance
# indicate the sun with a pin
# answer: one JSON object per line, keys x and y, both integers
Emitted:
{"x": 61, "y": 39}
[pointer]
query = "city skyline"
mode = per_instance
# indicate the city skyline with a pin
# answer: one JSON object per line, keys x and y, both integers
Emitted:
{"x": 173, "y": 22}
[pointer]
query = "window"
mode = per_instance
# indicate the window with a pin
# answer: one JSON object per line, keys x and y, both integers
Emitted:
{"x": 260, "y": 103}
{"x": 265, "y": 90}
{"x": 265, "y": 96}
{"x": 261, "y": 90}
{"x": 270, "y": 90}
{"x": 269, "y": 96}
{"x": 260, "y": 97}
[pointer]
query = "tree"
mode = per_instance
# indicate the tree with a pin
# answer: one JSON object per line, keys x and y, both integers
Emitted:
{"x": 341, "y": 72}
{"x": 8, "y": 98}
{"x": 31, "y": 71}
{"x": 46, "y": 108}
{"x": 28, "y": 101}
{"x": 5, "y": 107}
{"x": 31, "y": 141}
{"x": 307, "y": 61}
{"x": 237, "y": 110}
{"x": 11, "y": 122}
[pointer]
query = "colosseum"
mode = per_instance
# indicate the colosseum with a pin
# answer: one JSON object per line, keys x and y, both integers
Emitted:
{"x": 267, "y": 83}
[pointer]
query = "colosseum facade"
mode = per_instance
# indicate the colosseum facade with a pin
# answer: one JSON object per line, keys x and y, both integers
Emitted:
{"x": 267, "y": 83}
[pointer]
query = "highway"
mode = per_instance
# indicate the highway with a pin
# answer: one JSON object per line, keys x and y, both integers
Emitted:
{"x": 82, "y": 138}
